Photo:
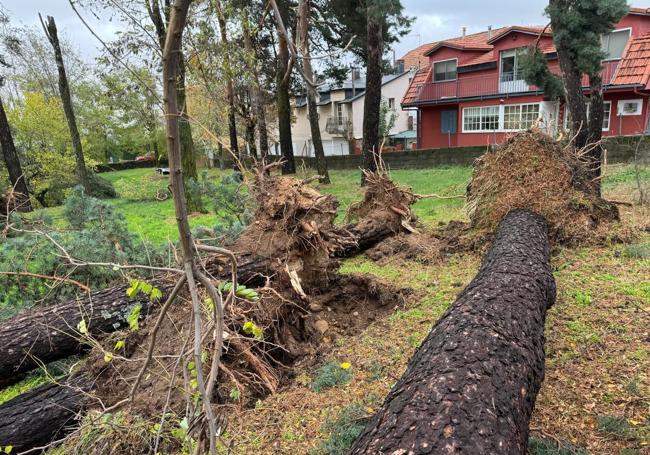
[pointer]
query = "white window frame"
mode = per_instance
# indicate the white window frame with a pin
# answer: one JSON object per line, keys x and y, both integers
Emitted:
{"x": 433, "y": 71}
{"x": 501, "y": 128}
{"x": 391, "y": 104}
{"x": 608, "y": 118}
{"x": 628, "y": 29}
{"x": 503, "y": 117}
{"x": 638, "y": 102}
{"x": 517, "y": 70}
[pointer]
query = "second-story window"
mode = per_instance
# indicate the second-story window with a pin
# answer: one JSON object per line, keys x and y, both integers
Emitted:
{"x": 339, "y": 114}
{"x": 444, "y": 71}
{"x": 511, "y": 64}
{"x": 613, "y": 44}
{"x": 391, "y": 104}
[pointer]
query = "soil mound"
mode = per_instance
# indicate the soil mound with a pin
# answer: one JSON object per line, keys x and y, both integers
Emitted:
{"x": 531, "y": 170}
{"x": 421, "y": 247}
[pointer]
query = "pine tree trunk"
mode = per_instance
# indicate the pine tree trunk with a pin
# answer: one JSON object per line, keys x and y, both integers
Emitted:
{"x": 66, "y": 100}
{"x": 284, "y": 103}
{"x": 596, "y": 117}
{"x": 250, "y": 138}
{"x": 42, "y": 415}
{"x": 472, "y": 384}
{"x": 304, "y": 11}
{"x": 16, "y": 176}
{"x": 372, "y": 99}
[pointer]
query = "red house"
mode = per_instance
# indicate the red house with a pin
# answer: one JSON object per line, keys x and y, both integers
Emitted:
{"x": 471, "y": 90}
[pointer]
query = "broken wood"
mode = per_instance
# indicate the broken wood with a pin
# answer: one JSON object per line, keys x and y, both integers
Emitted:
{"x": 472, "y": 384}
{"x": 51, "y": 333}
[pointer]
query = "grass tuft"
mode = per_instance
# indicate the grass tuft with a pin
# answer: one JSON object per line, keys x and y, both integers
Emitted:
{"x": 330, "y": 375}
{"x": 342, "y": 431}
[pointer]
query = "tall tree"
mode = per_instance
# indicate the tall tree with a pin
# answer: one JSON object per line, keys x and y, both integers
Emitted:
{"x": 66, "y": 100}
{"x": 257, "y": 96}
{"x": 16, "y": 175}
{"x": 11, "y": 159}
{"x": 372, "y": 26}
{"x": 577, "y": 30}
{"x": 160, "y": 19}
{"x": 227, "y": 70}
{"x": 283, "y": 101}
{"x": 304, "y": 19}
{"x": 372, "y": 99}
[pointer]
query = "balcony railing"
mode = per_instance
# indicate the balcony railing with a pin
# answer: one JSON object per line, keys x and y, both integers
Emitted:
{"x": 337, "y": 125}
{"x": 493, "y": 85}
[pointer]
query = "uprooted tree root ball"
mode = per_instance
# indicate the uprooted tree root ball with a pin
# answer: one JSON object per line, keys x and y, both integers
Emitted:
{"x": 531, "y": 170}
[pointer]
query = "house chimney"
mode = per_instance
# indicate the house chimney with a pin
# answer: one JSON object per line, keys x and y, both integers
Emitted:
{"x": 489, "y": 32}
{"x": 464, "y": 31}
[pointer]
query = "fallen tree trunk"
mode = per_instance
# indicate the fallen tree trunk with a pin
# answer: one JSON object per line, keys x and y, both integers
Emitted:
{"x": 40, "y": 416}
{"x": 44, "y": 335}
{"x": 472, "y": 384}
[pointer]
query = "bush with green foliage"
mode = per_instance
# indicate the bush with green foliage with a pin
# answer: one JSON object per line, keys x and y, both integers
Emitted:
{"x": 331, "y": 374}
{"x": 94, "y": 232}
{"x": 99, "y": 187}
{"x": 537, "y": 446}
{"x": 343, "y": 431}
{"x": 232, "y": 203}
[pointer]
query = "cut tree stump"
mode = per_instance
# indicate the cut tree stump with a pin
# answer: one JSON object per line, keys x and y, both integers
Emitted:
{"x": 51, "y": 333}
{"x": 40, "y": 416}
{"x": 471, "y": 386}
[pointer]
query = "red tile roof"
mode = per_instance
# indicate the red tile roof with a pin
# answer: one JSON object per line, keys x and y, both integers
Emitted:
{"x": 484, "y": 58}
{"x": 640, "y": 11}
{"x": 536, "y": 30}
{"x": 474, "y": 41}
{"x": 634, "y": 68}
{"x": 417, "y": 58}
{"x": 422, "y": 76}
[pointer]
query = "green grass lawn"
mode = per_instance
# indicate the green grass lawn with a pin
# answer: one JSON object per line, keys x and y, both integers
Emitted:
{"x": 154, "y": 220}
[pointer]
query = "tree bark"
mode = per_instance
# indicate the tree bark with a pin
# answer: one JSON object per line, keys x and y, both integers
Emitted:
{"x": 283, "y": 101}
{"x": 304, "y": 13}
{"x": 66, "y": 100}
{"x": 257, "y": 97}
{"x": 188, "y": 156}
{"x": 472, "y": 384}
{"x": 372, "y": 99}
{"x": 50, "y": 333}
{"x": 16, "y": 176}
{"x": 595, "y": 128}
{"x": 230, "y": 92}
{"x": 40, "y": 416}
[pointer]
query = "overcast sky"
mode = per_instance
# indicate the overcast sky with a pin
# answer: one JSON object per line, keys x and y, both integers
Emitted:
{"x": 435, "y": 19}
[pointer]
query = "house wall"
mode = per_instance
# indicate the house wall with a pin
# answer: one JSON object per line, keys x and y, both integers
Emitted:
{"x": 393, "y": 89}
{"x": 448, "y": 53}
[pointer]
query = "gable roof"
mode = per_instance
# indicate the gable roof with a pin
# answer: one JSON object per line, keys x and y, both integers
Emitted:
{"x": 412, "y": 92}
{"x": 475, "y": 41}
{"x": 417, "y": 58}
{"x": 535, "y": 30}
{"x": 634, "y": 68}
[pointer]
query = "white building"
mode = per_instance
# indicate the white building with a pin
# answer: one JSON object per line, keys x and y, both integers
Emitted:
{"x": 340, "y": 110}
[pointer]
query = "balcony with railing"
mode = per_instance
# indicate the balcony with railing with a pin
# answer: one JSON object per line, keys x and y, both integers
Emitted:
{"x": 493, "y": 85}
{"x": 338, "y": 125}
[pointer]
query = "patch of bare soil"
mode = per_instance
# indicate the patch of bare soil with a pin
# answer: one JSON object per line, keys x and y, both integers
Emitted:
{"x": 421, "y": 247}
{"x": 531, "y": 170}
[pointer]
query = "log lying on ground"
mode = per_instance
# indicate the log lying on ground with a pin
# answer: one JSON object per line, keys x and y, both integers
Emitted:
{"x": 472, "y": 384}
{"x": 50, "y": 333}
{"x": 42, "y": 415}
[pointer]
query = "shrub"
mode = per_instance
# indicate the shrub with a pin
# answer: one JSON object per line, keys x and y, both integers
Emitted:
{"x": 94, "y": 232}
{"x": 99, "y": 187}
{"x": 330, "y": 375}
{"x": 615, "y": 427}
{"x": 537, "y": 446}
{"x": 343, "y": 431}
{"x": 638, "y": 251}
